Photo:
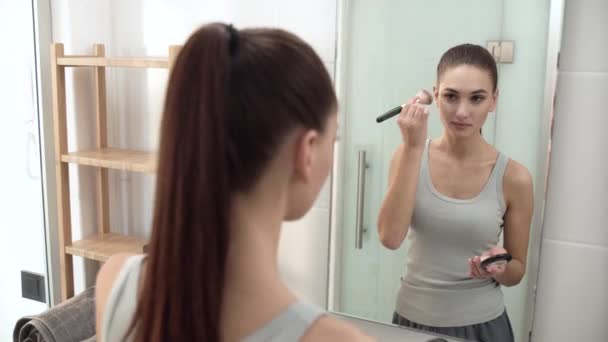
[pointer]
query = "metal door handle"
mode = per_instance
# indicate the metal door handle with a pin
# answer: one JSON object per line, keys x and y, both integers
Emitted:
{"x": 359, "y": 229}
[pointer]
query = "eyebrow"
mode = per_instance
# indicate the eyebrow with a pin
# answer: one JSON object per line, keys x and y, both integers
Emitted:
{"x": 478, "y": 91}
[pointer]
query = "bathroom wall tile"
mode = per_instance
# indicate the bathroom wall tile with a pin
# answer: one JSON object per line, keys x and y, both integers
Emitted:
{"x": 314, "y": 21}
{"x": 576, "y": 199}
{"x": 571, "y": 302}
{"x": 303, "y": 256}
{"x": 584, "y": 42}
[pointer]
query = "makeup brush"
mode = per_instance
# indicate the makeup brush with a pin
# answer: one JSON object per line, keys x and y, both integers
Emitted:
{"x": 423, "y": 97}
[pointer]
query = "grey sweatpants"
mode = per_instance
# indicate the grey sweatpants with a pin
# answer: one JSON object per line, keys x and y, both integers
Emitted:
{"x": 496, "y": 330}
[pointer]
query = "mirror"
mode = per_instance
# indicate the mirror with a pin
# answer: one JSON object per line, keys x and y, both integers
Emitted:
{"x": 387, "y": 52}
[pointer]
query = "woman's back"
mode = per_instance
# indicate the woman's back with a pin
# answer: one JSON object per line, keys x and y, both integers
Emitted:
{"x": 119, "y": 284}
{"x": 290, "y": 325}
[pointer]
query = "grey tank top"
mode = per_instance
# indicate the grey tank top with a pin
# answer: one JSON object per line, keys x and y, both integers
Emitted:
{"x": 445, "y": 232}
{"x": 289, "y": 325}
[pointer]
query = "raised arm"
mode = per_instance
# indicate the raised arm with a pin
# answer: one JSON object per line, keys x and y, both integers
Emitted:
{"x": 398, "y": 204}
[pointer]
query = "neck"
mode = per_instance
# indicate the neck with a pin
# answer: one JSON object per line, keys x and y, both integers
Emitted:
{"x": 253, "y": 290}
{"x": 251, "y": 264}
{"x": 462, "y": 147}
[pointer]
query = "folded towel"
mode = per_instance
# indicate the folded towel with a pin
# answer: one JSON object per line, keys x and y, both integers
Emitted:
{"x": 70, "y": 321}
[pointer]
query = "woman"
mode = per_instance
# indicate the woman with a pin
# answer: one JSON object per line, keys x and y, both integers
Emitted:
{"x": 247, "y": 141}
{"x": 458, "y": 194}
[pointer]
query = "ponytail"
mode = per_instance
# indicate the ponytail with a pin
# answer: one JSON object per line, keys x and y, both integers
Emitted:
{"x": 190, "y": 227}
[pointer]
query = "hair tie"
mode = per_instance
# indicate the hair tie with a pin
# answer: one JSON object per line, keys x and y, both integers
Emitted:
{"x": 233, "y": 38}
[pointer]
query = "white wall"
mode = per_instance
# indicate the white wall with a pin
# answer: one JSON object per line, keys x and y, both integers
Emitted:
{"x": 572, "y": 302}
{"x": 137, "y": 28}
{"x": 22, "y": 245}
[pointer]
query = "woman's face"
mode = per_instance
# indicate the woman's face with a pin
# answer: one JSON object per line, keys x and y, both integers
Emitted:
{"x": 465, "y": 96}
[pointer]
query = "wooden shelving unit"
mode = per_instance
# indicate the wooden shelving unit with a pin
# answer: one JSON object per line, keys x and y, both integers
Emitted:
{"x": 104, "y": 243}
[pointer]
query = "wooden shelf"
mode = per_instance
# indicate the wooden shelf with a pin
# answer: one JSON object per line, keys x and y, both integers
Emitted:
{"x": 88, "y": 61}
{"x": 114, "y": 158}
{"x": 103, "y": 246}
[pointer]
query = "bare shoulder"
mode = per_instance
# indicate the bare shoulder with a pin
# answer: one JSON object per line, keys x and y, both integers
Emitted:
{"x": 331, "y": 329}
{"x": 517, "y": 181}
{"x": 105, "y": 279}
{"x": 517, "y": 175}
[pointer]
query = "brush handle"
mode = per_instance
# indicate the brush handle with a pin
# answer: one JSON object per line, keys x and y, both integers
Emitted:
{"x": 499, "y": 257}
{"x": 389, "y": 114}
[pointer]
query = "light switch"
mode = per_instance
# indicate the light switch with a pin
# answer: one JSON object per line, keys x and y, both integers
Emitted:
{"x": 501, "y": 50}
{"x": 506, "y": 51}
{"x": 494, "y": 47}
{"x": 33, "y": 286}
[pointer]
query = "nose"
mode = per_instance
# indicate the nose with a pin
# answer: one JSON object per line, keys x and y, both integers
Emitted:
{"x": 462, "y": 113}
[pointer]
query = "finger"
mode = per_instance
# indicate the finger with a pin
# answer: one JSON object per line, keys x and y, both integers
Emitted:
{"x": 473, "y": 269}
{"x": 400, "y": 119}
{"x": 419, "y": 112}
{"x": 480, "y": 270}
{"x": 426, "y": 112}
{"x": 403, "y": 114}
{"x": 471, "y": 274}
{"x": 410, "y": 109}
{"x": 415, "y": 112}
{"x": 476, "y": 272}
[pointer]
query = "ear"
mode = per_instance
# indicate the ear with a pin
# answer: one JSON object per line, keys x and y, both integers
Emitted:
{"x": 436, "y": 95}
{"x": 305, "y": 154}
{"x": 494, "y": 101}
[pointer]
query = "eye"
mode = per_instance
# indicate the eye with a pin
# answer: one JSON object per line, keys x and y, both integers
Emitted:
{"x": 450, "y": 97}
{"x": 477, "y": 98}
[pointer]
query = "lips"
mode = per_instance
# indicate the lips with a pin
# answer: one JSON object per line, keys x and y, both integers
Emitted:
{"x": 460, "y": 125}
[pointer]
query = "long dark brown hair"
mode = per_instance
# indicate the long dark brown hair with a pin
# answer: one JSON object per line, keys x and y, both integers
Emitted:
{"x": 232, "y": 98}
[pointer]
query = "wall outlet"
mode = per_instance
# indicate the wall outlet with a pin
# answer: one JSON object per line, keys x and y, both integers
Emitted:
{"x": 33, "y": 286}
